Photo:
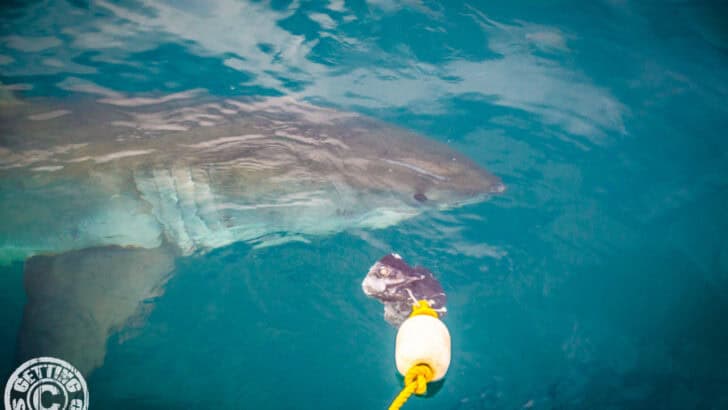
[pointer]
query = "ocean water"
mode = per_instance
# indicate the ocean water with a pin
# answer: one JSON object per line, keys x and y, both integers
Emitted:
{"x": 597, "y": 280}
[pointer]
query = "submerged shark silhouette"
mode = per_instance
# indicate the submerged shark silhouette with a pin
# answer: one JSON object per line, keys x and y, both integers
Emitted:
{"x": 99, "y": 197}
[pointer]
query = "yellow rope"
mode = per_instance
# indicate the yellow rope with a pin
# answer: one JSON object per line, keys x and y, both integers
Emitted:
{"x": 415, "y": 381}
{"x": 417, "y": 377}
{"x": 423, "y": 308}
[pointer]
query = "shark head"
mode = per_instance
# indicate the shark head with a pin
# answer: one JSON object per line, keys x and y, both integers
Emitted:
{"x": 424, "y": 174}
{"x": 442, "y": 182}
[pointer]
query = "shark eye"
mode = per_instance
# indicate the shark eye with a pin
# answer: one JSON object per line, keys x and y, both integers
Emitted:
{"x": 420, "y": 197}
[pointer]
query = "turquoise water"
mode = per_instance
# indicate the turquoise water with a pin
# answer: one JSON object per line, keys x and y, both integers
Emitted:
{"x": 597, "y": 280}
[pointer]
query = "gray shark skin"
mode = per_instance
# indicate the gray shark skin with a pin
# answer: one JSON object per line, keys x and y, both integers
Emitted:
{"x": 100, "y": 196}
{"x": 399, "y": 286}
{"x": 208, "y": 175}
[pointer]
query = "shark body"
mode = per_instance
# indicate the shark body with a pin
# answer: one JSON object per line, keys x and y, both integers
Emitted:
{"x": 99, "y": 197}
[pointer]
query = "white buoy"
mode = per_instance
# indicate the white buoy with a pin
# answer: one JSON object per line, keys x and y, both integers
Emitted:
{"x": 423, "y": 339}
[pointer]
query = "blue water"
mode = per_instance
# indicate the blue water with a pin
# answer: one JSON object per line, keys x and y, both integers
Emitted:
{"x": 597, "y": 280}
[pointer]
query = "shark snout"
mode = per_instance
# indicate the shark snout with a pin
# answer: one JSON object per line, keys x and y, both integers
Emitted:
{"x": 497, "y": 188}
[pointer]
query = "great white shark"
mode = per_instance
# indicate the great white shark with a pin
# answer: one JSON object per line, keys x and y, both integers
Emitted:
{"x": 99, "y": 196}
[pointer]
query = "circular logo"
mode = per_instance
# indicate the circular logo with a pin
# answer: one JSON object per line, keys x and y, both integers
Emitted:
{"x": 46, "y": 383}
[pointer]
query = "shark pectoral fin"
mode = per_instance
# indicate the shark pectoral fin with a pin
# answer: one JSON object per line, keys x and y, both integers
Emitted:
{"x": 76, "y": 300}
